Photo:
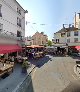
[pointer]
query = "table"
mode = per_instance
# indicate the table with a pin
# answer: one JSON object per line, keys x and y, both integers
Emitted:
{"x": 7, "y": 68}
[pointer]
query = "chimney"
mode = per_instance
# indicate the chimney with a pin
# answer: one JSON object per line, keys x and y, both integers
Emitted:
{"x": 42, "y": 33}
{"x": 75, "y": 19}
{"x": 72, "y": 26}
{"x": 69, "y": 25}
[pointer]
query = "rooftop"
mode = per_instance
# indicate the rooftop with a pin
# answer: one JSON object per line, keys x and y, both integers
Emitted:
{"x": 67, "y": 29}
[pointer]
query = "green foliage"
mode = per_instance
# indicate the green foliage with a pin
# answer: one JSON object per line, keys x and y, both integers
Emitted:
{"x": 49, "y": 43}
{"x": 25, "y": 64}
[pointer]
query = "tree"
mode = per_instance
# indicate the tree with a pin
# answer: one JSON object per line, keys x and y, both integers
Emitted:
{"x": 49, "y": 43}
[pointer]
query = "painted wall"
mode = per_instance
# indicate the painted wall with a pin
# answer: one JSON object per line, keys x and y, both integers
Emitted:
{"x": 9, "y": 17}
{"x": 64, "y": 39}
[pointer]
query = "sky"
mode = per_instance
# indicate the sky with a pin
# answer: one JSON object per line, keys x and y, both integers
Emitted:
{"x": 52, "y": 13}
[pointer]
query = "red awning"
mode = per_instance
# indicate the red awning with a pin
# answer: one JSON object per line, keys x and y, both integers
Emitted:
{"x": 77, "y": 47}
{"x": 9, "y": 48}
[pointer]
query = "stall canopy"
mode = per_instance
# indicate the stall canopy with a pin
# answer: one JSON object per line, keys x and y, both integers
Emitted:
{"x": 77, "y": 47}
{"x": 35, "y": 46}
{"x": 9, "y": 48}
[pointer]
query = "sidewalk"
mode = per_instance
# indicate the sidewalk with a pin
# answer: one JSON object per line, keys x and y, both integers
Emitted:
{"x": 14, "y": 79}
{"x": 23, "y": 84}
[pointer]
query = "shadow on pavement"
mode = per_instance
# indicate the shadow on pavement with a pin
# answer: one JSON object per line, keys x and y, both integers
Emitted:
{"x": 72, "y": 87}
{"x": 40, "y": 62}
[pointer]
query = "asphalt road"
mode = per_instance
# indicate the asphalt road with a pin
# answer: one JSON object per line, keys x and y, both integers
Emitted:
{"x": 55, "y": 74}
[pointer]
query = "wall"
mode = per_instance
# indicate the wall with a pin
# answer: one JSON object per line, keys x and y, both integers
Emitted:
{"x": 9, "y": 17}
{"x": 39, "y": 39}
{"x": 58, "y": 36}
{"x": 64, "y": 39}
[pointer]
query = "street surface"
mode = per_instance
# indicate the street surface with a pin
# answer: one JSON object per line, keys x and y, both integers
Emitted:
{"x": 9, "y": 83}
{"x": 55, "y": 75}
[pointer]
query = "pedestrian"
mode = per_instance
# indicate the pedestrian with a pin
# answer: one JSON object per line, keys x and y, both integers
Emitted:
{"x": 12, "y": 58}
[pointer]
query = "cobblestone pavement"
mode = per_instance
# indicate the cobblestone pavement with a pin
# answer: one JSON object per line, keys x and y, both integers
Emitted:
{"x": 56, "y": 75}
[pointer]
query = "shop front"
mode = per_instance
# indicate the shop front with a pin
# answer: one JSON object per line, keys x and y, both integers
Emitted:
{"x": 74, "y": 50}
{"x": 6, "y": 60}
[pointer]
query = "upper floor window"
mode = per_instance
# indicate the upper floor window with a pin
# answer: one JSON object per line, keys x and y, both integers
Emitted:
{"x": 62, "y": 34}
{"x": 57, "y": 40}
{"x": 18, "y": 11}
{"x": 75, "y": 39}
{"x": 1, "y": 26}
{"x": 68, "y": 40}
{"x": 18, "y": 21}
{"x": 68, "y": 34}
{"x": 18, "y": 34}
{"x": 76, "y": 33}
{"x": 0, "y": 10}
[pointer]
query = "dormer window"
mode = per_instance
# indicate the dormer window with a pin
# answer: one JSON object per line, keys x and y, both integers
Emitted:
{"x": 0, "y": 10}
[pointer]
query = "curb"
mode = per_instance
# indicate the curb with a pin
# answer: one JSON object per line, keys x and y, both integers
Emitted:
{"x": 18, "y": 86}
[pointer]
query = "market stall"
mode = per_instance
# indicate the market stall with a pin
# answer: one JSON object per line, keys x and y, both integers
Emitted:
{"x": 5, "y": 68}
{"x": 35, "y": 51}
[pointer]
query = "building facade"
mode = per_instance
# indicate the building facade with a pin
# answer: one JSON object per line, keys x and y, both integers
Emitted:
{"x": 68, "y": 36}
{"x": 77, "y": 20}
{"x": 12, "y": 27}
{"x": 39, "y": 39}
{"x": 28, "y": 40}
{"x": 12, "y": 22}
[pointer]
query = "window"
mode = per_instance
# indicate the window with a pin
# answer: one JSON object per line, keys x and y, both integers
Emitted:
{"x": 1, "y": 26}
{"x": 18, "y": 34}
{"x": 19, "y": 22}
{"x": 0, "y": 10}
{"x": 68, "y": 34}
{"x": 68, "y": 40}
{"x": 30, "y": 43}
{"x": 18, "y": 11}
{"x": 42, "y": 42}
{"x": 57, "y": 40}
{"x": 75, "y": 39}
{"x": 62, "y": 34}
{"x": 76, "y": 33}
